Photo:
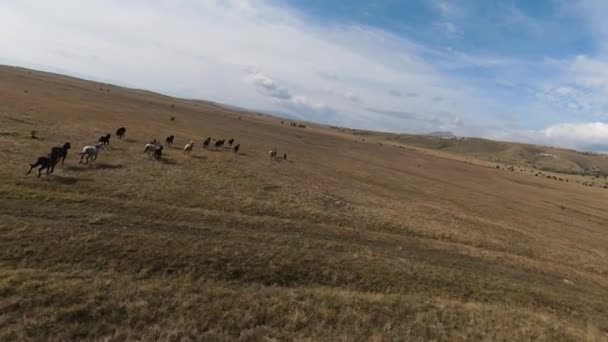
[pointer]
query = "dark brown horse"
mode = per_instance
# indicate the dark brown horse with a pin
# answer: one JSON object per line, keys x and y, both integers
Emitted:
{"x": 206, "y": 142}
{"x": 44, "y": 163}
{"x": 169, "y": 140}
{"x": 59, "y": 153}
{"x": 120, "y": 133}
{"x": 105, "y": 140}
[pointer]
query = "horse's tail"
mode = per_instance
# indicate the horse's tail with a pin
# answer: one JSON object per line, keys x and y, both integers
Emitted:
{"x": 36, "y": 163}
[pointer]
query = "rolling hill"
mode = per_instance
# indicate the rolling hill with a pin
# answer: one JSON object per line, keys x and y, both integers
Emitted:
{"x": 391, "y": 238}
{"x": 539, "y": 157}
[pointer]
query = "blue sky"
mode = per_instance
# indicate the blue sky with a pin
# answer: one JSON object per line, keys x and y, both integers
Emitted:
{"x": 532, "y": 71}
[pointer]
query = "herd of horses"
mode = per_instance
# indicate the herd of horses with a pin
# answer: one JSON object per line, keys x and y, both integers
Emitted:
{"x": 153, "y": 149}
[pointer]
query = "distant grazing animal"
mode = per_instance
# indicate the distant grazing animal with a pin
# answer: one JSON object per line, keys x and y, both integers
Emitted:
{"x": 120, "y": 133}
{"x": 44, "y": 163}
{"x": 169, "y": 140}
{"x": 105, "y": 140}
{"x": 219, "y": 144}
{"x": 285, "y": 156}
{"x": 230, "y": 142}
{"x": 272, "y": 153}
{"x": 236, "y": 148}
{"x": 206, "y": 142}
{"x": 91, "y": 152}
{"x": 188, "y": 147}
{"x": 154, "y": 151}
{"x": 59, "y": 153}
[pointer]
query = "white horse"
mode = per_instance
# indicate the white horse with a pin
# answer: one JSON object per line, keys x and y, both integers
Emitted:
{"x": 272, "y": 153}
{"x": 90, "y": 152}
{"x": 188, "y": 147}
{"x": 152, "y": 150}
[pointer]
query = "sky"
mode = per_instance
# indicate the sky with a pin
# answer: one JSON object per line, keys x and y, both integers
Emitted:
{"x": 518, "y": 70}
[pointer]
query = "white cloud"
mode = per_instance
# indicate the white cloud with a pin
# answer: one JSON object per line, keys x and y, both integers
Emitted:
{"x": 589, "y": 136}
{"x": 590, "y": 73}
{"x": 449, "y": 29}
{"x": 580, "y": 88}
{"x": 268, "y": 86}
{"x": 327, "y": 75}
{"x": 448, "y": 9}
{"x": 206, "y": 48}
{"x": 594, "y": 133}
{"x": 352, "y": 97}
{"x": 395, "y": 92}
{"x": 299, "y": 105}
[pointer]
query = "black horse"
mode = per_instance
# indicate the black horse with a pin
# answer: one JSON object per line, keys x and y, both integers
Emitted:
{"x": 120, "y": 133}
{"x": 169, "y": 140}
{"x": 105, "y": 140}
{"x": 44, "y": 163}
{"x": 218, "y": 144}
{"x": 206, "y": 142}
{"x": 59, "y": 153}
{"x": 231, "y": 141}
{"x": 158, "y": 153}
{"x": 236, "y": 148}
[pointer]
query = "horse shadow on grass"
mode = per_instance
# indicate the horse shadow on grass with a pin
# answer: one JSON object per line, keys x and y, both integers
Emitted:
{"x": 93, "y": 166}
{"x": 105, "y": 166}
{"x": 167, "y": 161}
{"x": 200, "y": 157}
{"x": 66, "y": 180}
{"x": 281, "y": 160}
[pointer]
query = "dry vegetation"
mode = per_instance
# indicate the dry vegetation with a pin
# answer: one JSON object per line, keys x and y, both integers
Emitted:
{"x": 523, "y": 155}
{"x": 344, "y": 241}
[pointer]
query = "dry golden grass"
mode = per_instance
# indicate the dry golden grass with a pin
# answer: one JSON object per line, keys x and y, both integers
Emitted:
{"x": 344, "y": 241}
{"x": 543, "y": 158}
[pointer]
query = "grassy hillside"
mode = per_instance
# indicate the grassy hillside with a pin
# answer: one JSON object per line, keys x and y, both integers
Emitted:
{"x": 346, "y": 240}
{"x": 538, "y": 157}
